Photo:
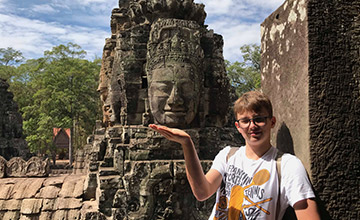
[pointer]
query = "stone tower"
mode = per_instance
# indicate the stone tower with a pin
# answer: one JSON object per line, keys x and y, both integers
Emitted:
{"x": 161, "y": 65}
{"x": 311, "y": 71}
{"x": 12, "y": 143}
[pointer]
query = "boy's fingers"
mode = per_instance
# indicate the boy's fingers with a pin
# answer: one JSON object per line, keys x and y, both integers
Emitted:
{"x": 158, "y": 127}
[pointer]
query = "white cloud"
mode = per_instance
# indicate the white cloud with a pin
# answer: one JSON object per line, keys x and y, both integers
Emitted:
{"x": 33, "y": 37}
{"x": 92, "y": 1}
{"x": 274, "y": 4}
{"x": 98, "y": 6}
{"x": 88, "y": 13}
{"x": 233, "y": 6}
{"x": 215, "y": 7}
{"x": 235, "y": 35}
{"x": 5, "y": 5}
{"x": 44, "y": 9}
{"x": 238, "y": 21}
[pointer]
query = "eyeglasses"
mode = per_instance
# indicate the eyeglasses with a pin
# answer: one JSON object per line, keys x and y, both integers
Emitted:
{"x": 258, "y": 121}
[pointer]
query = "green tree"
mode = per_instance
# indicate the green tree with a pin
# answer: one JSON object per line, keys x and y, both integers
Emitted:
{"x": 61, "y": 92}
{"x": 245, "y": 76}
{"x": 9, "y": 59}
{"x": 22, "y": 83}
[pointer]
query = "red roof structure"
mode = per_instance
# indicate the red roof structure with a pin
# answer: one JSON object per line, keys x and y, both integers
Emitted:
{"x": 61, "y": 137}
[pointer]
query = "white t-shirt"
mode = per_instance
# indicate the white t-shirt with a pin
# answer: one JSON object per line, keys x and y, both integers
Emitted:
{"x": 250, "y": 187}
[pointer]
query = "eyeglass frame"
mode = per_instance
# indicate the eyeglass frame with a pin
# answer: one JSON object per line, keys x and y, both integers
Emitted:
{"x": 252, "y": 120}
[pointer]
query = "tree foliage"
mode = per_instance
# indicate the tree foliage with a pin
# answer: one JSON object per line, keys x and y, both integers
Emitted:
{"x": 245, "y": 76}
{"x": 57, "y": 90}
{"x": 10, "y": 56}
{"x": 9, "y": 59}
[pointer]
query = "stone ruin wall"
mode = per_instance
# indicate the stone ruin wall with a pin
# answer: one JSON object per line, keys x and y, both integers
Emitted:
{"x": 284, "y": 67}
{"x": 12, "y": 143}
{"x": 334, "y": 95}
{"x": 318, "y": 80}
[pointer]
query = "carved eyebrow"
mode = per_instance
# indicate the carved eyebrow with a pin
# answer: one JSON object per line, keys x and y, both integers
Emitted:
{"x": 161, "y": 81}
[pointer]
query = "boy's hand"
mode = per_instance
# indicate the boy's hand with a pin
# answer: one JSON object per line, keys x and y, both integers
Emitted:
{"x": 172, "y": 134}
{"x": 202, "y": 186}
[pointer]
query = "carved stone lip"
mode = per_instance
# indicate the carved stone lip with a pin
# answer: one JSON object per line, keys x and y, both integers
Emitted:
{"x": 178, "y": 113}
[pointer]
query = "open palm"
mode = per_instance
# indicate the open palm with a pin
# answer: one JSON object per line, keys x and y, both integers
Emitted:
{"x": 172, "y": 134}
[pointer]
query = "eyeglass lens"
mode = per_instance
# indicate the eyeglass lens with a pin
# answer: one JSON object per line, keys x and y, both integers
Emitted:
{"x": 245, "y": 122}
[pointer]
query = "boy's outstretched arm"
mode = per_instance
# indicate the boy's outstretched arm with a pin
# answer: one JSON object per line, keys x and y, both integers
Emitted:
{"x": 203, "y": 186}
{"x": 306, "y": 209}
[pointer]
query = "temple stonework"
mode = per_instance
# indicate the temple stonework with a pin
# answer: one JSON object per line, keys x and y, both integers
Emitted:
{"x": 161, "y": 65}
{"x": 12, "y": 143}
{"x": 311, "y": 72}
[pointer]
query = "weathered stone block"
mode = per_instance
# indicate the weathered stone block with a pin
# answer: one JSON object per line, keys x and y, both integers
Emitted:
{"x": 11, "y": 215}
{"x": 27, "y": 188}
{"x": 1, "y": 203}
{"x": 111, "y": 182}
{"x": 54, "y": 181}
{"x": 48, "y": 205}
{"x": 45, "y": 216}
{"x": 31, "y": 206}
{"x": 74, "y": 214}
{"x": 33, "y": 187}
{"x": 48, "y": 192}
{"x": 28, "y": 217}
{"x": 5, "y": 191}
{"x": 12, "y": 205}
{"x": 90, "y": 186}
{"x": 108, "y": 171}
{"x": 73, "y": 186}
{"x": 67, "y": 203}
{"x": 60, "y": 214}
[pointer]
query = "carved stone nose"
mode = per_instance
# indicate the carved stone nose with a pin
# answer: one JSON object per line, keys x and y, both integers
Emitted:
{"x": 174, "y": 102}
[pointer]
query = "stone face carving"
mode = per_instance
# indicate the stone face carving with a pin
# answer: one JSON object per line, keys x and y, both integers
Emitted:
{"x": 11, "y": 142}
{"x": 174, "y": 71}
{"x": 161, "y": 65}
{"x": 150, "y": 38}
{"x": 174, "y": 94}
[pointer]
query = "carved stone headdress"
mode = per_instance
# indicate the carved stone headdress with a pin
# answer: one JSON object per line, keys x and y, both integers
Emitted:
{"x": 174, "y": 40}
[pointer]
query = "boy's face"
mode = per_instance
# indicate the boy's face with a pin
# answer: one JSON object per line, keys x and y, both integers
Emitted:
{"x": 255, "y": 134}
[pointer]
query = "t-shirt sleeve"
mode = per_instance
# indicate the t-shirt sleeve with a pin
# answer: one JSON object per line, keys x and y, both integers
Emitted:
{"x": 219, "y": 162}
{"x": 296, "y": 182}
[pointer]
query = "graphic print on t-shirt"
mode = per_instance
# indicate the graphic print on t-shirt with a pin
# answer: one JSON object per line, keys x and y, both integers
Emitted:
{"x": 246, "y": 196}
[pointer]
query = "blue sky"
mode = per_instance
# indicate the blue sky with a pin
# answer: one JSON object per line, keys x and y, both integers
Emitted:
{"x": 33, "y": 26}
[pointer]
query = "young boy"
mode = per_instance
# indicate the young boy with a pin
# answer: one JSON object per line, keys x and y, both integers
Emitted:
{"x": 246, "y": 178}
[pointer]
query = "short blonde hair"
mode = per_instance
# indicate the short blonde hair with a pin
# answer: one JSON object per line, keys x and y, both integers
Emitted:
{"x": 254, "y": 101}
